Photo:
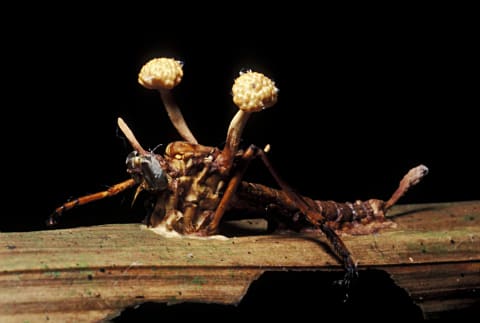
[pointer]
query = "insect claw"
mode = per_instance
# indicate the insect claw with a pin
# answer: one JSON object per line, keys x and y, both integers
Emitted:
{"x": 137, "y": 191}
{"x": 52, "y": 220}
{"x": 350, "y": 276}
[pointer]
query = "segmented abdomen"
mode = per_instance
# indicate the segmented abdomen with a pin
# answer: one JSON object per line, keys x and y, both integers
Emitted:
{"x": 330, "y": 211}
{"x": 349, "y": 212}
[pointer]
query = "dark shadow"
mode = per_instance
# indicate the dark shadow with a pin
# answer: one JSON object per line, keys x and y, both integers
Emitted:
{"x": 302, "y": 296}
{"x": 243, "y": 228}
{"x": 414, "y": 210}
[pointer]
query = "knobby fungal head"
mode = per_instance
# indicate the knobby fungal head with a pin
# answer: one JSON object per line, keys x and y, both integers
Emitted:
{"x": 252, "y": 92}
{"x": 163, "y": 74}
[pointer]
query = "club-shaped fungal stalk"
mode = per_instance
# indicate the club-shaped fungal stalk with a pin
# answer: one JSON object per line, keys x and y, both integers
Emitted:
{"x": 252, "y": 92}
{"x": 412, "y": 178}
{"x": 130, "y": 137}
{"x": 163, "y": 74}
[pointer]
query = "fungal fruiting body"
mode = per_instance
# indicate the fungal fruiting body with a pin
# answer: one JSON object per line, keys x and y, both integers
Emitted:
{"x": 190, "y": 187}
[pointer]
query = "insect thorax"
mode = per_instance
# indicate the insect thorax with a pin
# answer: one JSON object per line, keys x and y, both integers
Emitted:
{"x": 193, "y": 189}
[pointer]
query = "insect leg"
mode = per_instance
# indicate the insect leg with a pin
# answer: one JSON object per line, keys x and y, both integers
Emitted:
{"x": 235, "y": 180}
{"x": 342, "y": 252}
{"x": 316, "y": 218}
{"x": 113, "y": 190}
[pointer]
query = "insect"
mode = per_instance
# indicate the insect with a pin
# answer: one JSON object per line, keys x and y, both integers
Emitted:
{"x": 192, "y": 186}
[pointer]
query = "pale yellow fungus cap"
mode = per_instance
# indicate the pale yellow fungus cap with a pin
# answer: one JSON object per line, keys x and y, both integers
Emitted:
{"x": 162, "y": 72}
{"x": 254, "y": 91}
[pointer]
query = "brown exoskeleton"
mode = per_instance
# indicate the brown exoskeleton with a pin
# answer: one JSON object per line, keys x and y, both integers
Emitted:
{"x": 194, "y": 185}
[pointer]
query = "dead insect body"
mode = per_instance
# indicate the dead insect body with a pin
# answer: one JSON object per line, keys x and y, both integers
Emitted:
{"x": 192, "y": 185}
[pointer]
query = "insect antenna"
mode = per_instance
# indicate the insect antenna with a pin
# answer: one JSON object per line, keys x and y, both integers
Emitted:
{"x": 156, "y": 147}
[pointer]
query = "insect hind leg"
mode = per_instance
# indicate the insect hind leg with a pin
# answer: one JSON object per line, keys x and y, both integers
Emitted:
{"x": 316, "y": 218}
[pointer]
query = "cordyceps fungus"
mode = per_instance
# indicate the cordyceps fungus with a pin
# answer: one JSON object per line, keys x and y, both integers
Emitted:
{"x": 252, "y": 92}
{"x": 163, "y": 74}
{"x": 191, "y": 186}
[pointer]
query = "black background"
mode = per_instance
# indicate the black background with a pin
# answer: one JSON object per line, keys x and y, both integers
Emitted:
{"x": 366, "y": 93}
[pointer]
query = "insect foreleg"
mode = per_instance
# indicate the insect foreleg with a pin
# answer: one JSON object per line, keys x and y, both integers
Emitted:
{"x": 113, "y": 190}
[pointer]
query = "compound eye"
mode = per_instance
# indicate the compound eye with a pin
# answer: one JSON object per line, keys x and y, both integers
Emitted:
{"x": 131, "y": 156}
{"x": 134, "y": 161}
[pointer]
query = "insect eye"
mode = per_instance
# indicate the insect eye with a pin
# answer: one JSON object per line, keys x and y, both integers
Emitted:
{"x": 132, "y": 154}
{"x": 133, "y": 160}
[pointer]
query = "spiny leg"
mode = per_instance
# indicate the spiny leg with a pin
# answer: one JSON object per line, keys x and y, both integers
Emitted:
{"x": 312, "y": 215}
{"x": 113, "y": 190}
{"x": 316, "y": 219}
{"x": 235, "y": 180}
